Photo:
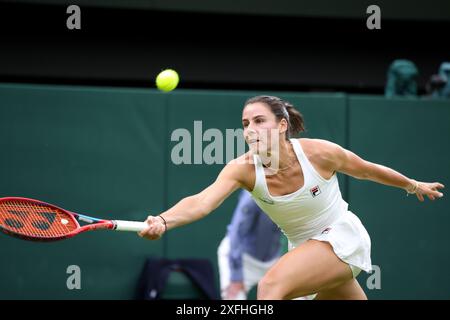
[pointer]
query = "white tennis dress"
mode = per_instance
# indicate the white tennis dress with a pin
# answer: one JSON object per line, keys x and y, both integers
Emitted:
{"x": 316, "y": 211}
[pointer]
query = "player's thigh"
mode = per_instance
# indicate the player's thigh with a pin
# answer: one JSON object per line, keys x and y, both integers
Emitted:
{"x": 307, "y": 269}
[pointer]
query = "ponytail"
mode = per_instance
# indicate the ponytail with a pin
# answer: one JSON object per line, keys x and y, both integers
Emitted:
{"x": 296, "y": 123}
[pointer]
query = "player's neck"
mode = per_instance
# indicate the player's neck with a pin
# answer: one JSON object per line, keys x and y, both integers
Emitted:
{"x": 280, "y": 159}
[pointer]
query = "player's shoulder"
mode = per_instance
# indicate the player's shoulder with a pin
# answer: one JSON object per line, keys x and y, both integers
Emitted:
{"x": 317, "y": 144}
{"x": 245, "y": 159}
{"x": 240, "y": 165}
{"x": 242, "y": 169}
{"x": 319, "y": 148}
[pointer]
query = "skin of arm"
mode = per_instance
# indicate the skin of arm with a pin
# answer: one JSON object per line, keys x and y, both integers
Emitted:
{"x": 233, "y": 176}
{"x": 335, "y": 158}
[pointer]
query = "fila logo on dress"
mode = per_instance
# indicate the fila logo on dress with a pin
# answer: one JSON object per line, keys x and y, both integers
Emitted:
{"x": 315, "y": 191}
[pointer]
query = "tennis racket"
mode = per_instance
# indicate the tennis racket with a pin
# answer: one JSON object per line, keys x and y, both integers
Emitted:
{"x": 35, "y": 220}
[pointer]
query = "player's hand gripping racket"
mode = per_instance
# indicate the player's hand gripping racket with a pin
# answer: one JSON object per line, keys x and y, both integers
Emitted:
{"x": 39, "y": 221}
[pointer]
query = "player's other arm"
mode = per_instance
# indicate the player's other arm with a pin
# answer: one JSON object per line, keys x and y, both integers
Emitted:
{"x": 349, "y": 163}
{"x": 197, "y": 206}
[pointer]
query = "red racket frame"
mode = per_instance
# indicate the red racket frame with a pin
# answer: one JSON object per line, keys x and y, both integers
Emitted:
{"x": 94, "y": 223}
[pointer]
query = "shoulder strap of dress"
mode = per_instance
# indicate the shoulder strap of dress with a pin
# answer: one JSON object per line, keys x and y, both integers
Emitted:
{"x": 301, "y": 156}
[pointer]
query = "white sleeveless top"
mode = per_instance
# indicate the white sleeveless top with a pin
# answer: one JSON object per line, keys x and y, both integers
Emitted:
{"x": 307, "y": 211}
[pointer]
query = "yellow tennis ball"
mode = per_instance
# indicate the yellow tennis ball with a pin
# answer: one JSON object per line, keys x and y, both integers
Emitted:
{"x": 167, "y": 80}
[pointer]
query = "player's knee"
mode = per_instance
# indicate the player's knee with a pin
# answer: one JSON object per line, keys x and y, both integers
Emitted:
{"x": 269, "y": 289}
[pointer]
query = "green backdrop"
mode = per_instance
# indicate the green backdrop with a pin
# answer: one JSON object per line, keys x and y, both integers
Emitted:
{"x": 409, "y": 238}
{"x": 107, "y": 152}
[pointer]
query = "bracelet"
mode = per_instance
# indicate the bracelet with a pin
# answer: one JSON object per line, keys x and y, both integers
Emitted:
{"x": 414, "y": 189}
{"x": 165, "y": 223}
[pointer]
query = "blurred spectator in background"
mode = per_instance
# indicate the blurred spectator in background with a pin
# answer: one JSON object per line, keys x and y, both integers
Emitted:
{"x": 402, "y": 79}
{"x": 444, "y": 72}
{"x": 251, "y": 246}
{"x": 435, "y": 86}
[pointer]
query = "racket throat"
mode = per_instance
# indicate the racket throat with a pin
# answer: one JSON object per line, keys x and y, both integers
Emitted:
{"x": 85, "y": 219}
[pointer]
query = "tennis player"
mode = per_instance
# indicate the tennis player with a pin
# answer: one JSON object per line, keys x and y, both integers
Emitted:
{"x": 330, "y": 246}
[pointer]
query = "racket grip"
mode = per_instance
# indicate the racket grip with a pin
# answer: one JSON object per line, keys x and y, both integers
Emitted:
{"x": 133, "y": 226}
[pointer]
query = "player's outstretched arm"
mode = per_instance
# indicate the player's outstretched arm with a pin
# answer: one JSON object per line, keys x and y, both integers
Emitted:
{"x": 197, "y": 206}
{"x": 349, "y": 163}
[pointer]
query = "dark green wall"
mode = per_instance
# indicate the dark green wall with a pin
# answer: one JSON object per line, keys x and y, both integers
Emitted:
{"x": 107, "y": 152}
{"x": 409, "y": 238}
{"x": 91, "y": 151}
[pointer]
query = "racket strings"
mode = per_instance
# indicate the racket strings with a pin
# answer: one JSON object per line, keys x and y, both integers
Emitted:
{"x": 35, "y": 220}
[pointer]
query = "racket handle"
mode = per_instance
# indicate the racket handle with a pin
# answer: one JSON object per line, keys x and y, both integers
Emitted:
{"x": 133, "y": 226}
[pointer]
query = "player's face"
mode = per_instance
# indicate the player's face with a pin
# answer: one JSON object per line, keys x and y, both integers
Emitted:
{"x": 260, "y": 127}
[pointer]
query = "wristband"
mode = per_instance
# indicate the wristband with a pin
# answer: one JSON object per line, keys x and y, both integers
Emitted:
{"x": 165, "y": 223}
{"x": 414, "y": 189}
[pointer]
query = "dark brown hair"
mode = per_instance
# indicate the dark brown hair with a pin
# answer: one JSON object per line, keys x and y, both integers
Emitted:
{"x": 282, "y": 110}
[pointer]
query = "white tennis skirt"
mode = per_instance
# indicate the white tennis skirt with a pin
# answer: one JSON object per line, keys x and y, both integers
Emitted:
{"x": 350, "y": 242}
